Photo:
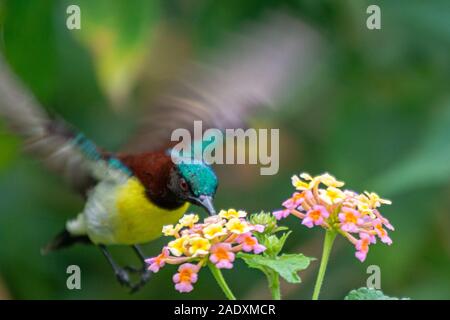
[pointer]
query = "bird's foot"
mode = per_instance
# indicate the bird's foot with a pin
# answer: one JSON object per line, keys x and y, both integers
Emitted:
{"x": 123, "y": 277}
{"x": 144, "y": 277}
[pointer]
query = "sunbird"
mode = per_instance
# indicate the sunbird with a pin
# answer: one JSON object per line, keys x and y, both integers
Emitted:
{"x": 130, "y": 195}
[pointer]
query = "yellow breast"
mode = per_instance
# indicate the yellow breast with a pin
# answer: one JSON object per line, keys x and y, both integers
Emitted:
{"x": 139, "y": 220}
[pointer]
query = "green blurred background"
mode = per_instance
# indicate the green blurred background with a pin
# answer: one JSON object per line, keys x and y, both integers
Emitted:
{"x": 376, "y": 114}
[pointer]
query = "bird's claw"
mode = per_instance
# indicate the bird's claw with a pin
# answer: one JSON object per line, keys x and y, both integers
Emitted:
{"x": 144, "y": 277}
{"x": 123, "y": 277}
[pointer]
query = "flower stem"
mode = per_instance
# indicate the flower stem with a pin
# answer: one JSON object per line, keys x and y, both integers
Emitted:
{"x": 221, "y": 281}
{"x": 275, "y": 287}
{"x": 330, "y": 235}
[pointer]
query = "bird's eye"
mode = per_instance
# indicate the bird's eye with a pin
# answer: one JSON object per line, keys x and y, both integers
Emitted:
{"x": 183, "y": 185}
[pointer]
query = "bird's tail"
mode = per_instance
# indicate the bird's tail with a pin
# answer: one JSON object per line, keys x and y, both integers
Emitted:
{"x": 63, "y": 240}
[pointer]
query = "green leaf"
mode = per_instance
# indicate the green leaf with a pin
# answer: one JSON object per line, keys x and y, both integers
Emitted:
{"x": 273, "y": 244}
{"x": 286, "y": 265}
{"x": 369, "y": 294}
{"x": 280, "y": 228}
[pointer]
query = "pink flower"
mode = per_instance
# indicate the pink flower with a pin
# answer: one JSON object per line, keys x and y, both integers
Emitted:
{"x": 362, "y": 246}
{"x": 214, "y": 240}
{"x": 186, "y": 276}
{"x": 290, "y": 204}
{"x": 315, "y": 216}
{"x": 258, "y": 228}
{"x": 222, "y": 256}
{"x": 295, "y": 201}
{"x": 378, "y": 227}
{"x": 281, "y": 214}
{"x": 320, "y": 201}
{"x": 384, "y": 220}
{"x": 250, "y": 243}
{"x": 350, "y": 219}
{"x": 159, "y": 261}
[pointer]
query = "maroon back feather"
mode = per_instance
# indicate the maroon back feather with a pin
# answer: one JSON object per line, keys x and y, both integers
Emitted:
{"x": 153, "y": 169}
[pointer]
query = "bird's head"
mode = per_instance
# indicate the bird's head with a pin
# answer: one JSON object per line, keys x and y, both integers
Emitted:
{"x": 194, "y": 182}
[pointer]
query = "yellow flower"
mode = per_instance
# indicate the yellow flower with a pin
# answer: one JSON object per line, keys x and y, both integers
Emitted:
{"x": 375, "y": 200}
{"x": 232, "y": 213}
{"x": 302, "y": 185}
{"x": 364, "y": 208}
{"x": 237, "y": 226}
{"x": 170, "y": 230}
{"x": 306, "y": 182}
{"x": 363, "y": 204}
{"x": 329, "y": 180}
{"x": 306, "y": 176}
{"x": 189, "y": 220}
{"x": 213, "y": 230}
{"x": 332, "y": 195}
{"x": 178, "y": 246}
{"x": 199, "y": 246}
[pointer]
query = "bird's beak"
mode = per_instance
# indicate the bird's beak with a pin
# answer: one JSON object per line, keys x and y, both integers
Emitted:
{"x": 205, "y": 202}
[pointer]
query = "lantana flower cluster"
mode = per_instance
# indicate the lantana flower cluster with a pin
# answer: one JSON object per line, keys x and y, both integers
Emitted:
{"x": 320, "y": 201}
{"x": 215, "y": 240}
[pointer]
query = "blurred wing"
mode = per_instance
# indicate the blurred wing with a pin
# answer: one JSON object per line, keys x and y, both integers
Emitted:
{"x": 250, "y": 72}
{"x": 51, "y": 140}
